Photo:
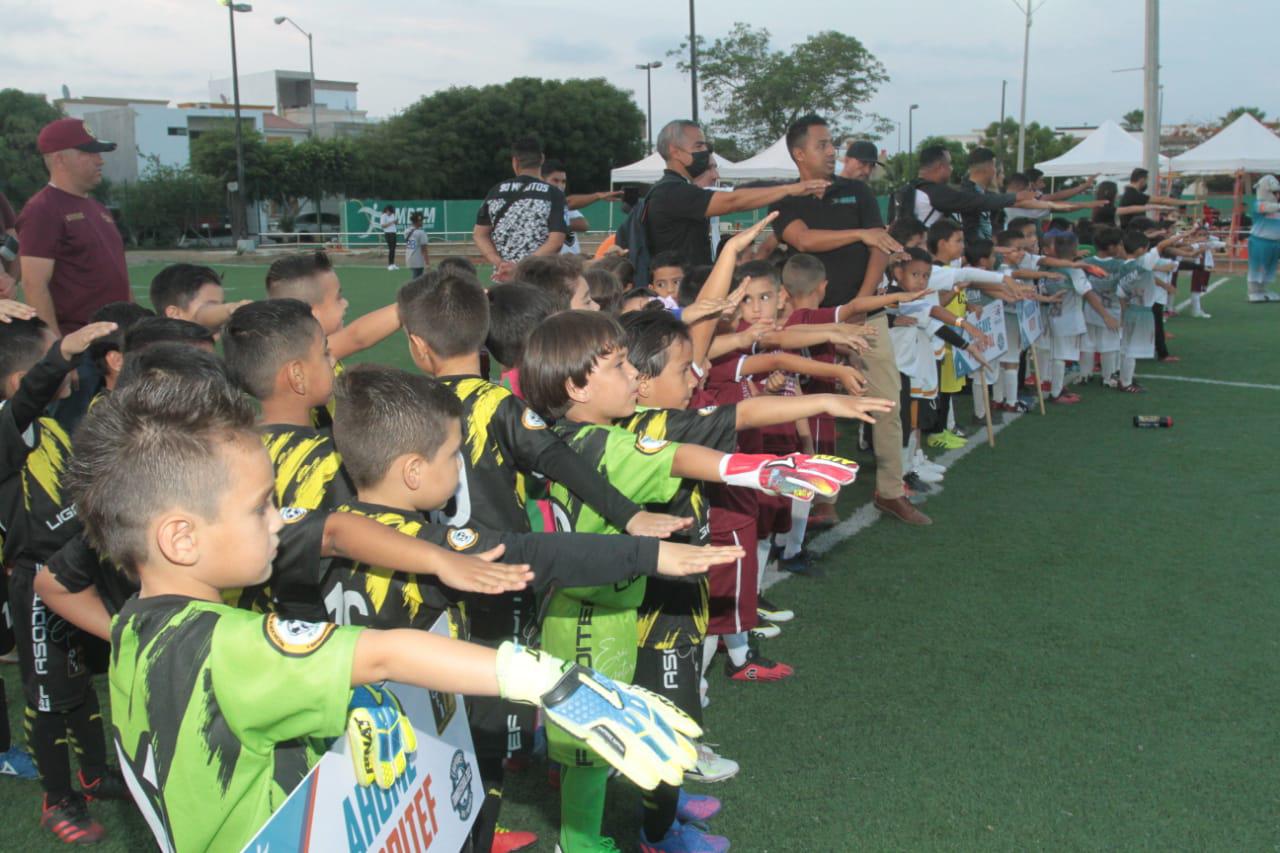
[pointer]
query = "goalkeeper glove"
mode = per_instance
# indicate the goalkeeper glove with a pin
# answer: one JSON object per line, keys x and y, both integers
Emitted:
{"x": 640, "y": 733}
{"x": 379, "y": 736}
{"x": 796, "y": 476}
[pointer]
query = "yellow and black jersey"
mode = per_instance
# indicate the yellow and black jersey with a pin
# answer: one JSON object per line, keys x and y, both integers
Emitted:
{"x": 505, "y": 441}
{"x": 294, "y": 587}
{"x": 38, "y": 518}
{"x": 308, "y": 468}
{"x": 322, "y": 416}
{"x": 675, "y": 613}
{"x": 373, "y": 597}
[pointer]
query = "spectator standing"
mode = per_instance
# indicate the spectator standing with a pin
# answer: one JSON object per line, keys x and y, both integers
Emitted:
{"x": 1135, "y": 195}
{"x": 554, "y": 173}
{"x": 860, "y": 161}
{"x": 521, "y": 216}
{"x": 415, "y": 246}
{"x": 387, "y": 221}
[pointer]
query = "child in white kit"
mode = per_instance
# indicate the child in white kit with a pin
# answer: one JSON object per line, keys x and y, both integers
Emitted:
{"x": 1066, "y": 319}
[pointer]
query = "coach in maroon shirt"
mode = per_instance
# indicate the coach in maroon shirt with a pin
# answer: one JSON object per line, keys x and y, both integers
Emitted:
{"x": 72, "y": 255}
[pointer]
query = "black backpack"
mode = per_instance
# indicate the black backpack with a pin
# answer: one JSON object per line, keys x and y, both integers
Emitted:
{"x": 633, "y": 235}
{"x": 902, "y": 203}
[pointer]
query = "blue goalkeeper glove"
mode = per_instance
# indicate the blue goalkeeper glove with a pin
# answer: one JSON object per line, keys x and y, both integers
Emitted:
{"x": 379, "y": 736}
{"x": 640, "y": 733}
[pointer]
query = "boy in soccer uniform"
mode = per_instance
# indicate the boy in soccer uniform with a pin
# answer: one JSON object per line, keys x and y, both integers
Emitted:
{"x": 218, "y": 711}
{"x": 445, "y": 316}
{"x": 1107, "y": 341}
{"x": 1066, "y": 318}
{"x": 1138, "y": 295}
{"x": 278, "y": 353}
{"x": 193, "y": 293}
{"x": 38, "y": 518}
{"x": 576, "y": 371}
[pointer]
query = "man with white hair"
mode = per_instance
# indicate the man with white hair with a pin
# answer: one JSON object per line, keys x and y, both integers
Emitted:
{"x": 1264, "y": 240}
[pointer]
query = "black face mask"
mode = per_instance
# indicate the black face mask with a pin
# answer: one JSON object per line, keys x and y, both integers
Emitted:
{"x": 701, "y": 162}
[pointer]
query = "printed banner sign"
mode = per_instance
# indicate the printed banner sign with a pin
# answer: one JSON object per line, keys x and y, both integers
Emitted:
{"x": 1030, "y": 323}
{"x": 990, "y": 320}
{"x": 361, "y": 218}
{"x": 431, "y": 807}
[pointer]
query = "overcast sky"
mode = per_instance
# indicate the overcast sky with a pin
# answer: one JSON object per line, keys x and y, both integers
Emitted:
{"x": 947, "y": 56}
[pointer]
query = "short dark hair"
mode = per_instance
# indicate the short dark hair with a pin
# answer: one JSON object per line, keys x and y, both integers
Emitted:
{"x": 1084, "y": 230}
{"x": 262, "y": 337}
{"x": 1144, "y": 223}
{"x": 1105, "y": 191}
{"x": 565, "y": 349}
{"x": 637, "y": 293}
{"x": 977, "y": 250}
{"x": 555, "y": 274}
{"x": 22, "y": 344}
{"x": 515, "y": 310}
{"x": 154, "y": 444}
{"x": 907, "y": 228}
{"x": 605, "y": 288}
{"x": 149, "y": 331}
{"x": 798, "y": 132}
{"x": 649, "y": 334}
{"x": 1135, "y": 241}
{"x": 759, "y": 269}
{"x": 931, "y": 155}
{"x": 1064, "y": 243}
{"x": 173, "y": 360}
{"x": 177, "y": 284}
{"x": 1020, "y": 223}
{"x": 914, "y": 254}
{"x": 1138, "y": 174}
{"x": 408, "y": 412}
{"x": 550, "y": 167}
{"x": 1016, "y": 179}
{"x": 1034, "y": 174}
{"x": 1008, "y": 237}
{"x": 619, "y": 266}
{"x": 450, "y": 312}
{"x": 293, "y": 276}
{"x": 981, "y": 155}
{"x": 802, "y": 274}
{"x": 665, "y": 259}
{"x": 457, "y": 263}
{"x": 527, "y": 152}
{"x": 1059, "y": 223}
{"x": 940, "y": 231}
{"x": 1107, "y": 237}
{"x": 124, "y": 315}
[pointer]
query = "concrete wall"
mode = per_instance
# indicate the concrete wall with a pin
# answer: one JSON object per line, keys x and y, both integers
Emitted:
{"x": 116, "y": 125}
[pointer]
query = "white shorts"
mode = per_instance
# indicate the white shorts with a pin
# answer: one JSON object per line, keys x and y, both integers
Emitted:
{"x": 1013, "y": 337}
{"x": 1139, "y": 340}
{"x": 1067, "y": 347}
{"x": 1102, "y": 339}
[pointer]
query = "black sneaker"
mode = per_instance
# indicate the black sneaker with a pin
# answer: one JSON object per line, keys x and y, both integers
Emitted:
{"x": 109, "y": 786}
{"x": 915, "y": 484}
{"x": 802, "y": 563}
{"x": 69, "y": 820}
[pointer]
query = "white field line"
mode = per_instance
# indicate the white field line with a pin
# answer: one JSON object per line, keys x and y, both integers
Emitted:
{"x": 1209, "y": 381}
{"x": 1186, "y": 303}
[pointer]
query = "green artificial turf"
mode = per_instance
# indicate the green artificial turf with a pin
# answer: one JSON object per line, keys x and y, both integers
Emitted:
{"x": 1079, "y": 654}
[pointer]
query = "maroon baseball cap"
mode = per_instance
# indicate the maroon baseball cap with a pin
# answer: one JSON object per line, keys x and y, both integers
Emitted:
{"x": 70, "y": 133}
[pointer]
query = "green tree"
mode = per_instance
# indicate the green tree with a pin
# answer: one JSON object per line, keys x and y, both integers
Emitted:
{"x": 1235, "y": 113}
{"x": 1132, "y": 120}
{"x": 1042, "y": 143}
{"x": 22, "y": 170}
{"x": 456, "y": 143}
{"x": 758, "y": 92}
{"x": 166, "y": 203}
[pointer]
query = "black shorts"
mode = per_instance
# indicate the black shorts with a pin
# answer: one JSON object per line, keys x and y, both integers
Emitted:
{"x": 52, "y": 655}
{"x": 500, "y": 728}
{"x": 674, "y": 674}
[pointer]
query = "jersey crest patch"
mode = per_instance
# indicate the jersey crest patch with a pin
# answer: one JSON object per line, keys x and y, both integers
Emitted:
{"x": 462, "y": 538}
{"x": 650, "y": 445}
{"x": 532, "y": 420}
{"x": 296, "y": 638}
{"x": 290, "y": 514}
{"x": 706, "y": 410}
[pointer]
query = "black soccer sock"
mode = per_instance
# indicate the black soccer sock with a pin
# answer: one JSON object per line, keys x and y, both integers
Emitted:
{"x": 87, "y": 738}
{"x": 660, "y": 811}
{"x": 47, "y": 737}
{"x": 491, "y": 778}
{"x": 6, "y": 736}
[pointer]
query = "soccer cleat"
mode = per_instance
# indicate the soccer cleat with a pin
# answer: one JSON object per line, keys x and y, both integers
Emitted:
{"x": 109, "y": 786}
{"x": 766, "y": 609}
{"x": 801, "y": 563}
{"x": 1066, "y": 398}
{"x": 70, "y": 821}
{"x": 17, "y": 762}
{"x": 766, "y": 631}
{"x": 947, "y": 439}
{"x": 510, "y": 841}
{"x": 711, "y": 767}
{"x": 914, "y": 485}
{"x": 685, "y": 838}
{"x": 699, "y": 807}
{"x": 757, "y": 668}
{"x": 1135, "y": 388}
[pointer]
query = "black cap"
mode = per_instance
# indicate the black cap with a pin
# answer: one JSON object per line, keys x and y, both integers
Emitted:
{"x": 864, "y": 151}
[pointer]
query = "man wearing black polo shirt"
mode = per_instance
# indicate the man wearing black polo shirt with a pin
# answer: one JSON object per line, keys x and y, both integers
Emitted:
{"x": 677, "y": 213}
{"x": 1135, "y": 195}
{"x": 520, "y": 216}
{"x": 844, "y": 230}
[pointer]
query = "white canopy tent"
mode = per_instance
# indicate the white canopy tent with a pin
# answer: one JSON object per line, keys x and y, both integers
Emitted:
{"x": 1108, "y": 150}
{"x": 649, "y": 170}
{"x": 773, "y": 163}
{"x": 1244, "y": 145}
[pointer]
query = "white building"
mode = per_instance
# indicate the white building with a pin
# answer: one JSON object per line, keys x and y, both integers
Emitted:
{"x": 289, "y": 93}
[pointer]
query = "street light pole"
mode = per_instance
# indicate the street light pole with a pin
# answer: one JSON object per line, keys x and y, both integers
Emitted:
{"x": 1004, "y": 85}
{"x": 315, "y": 132}
{"x": 911, "y": 148}
{"x": 693, "y": 62}
{"x": 647, "y": 68}
{"x": 242, "y": 219}
{"x": 1151, "y": 94}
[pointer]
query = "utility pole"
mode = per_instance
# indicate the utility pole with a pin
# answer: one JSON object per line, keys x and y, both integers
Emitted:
{"x": 240, "y": 213}
{"x": 647, "y": 68}
{"x": 1027, "y": 9}
{"x": 1151, "y": 94}
{"x": 1004, "y": 85}
{"x": 693, "y": 62}
{"x": 911, "y": 147}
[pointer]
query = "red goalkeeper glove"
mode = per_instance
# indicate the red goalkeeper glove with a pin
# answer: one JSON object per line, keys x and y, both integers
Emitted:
{"x": 795, "y": 476}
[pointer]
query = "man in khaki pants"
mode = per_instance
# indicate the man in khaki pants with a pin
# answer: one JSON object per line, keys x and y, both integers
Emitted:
{"x": 844, "y": 230}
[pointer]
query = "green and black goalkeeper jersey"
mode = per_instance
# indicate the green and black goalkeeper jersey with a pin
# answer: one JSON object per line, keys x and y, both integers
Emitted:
{"x": 373, "y": 597}
{"x": 308, "y": 468}
{"x": 674, "y": 613}
{"x": 503, "y": 442}
{"x": 37, "y": 517}
{"x": 639, "y": 467}
{"x": 218, "y": 713}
